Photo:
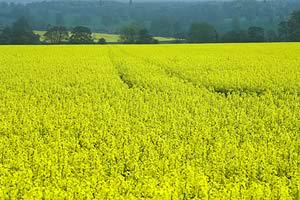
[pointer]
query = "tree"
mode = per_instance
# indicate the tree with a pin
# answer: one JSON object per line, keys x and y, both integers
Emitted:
{"x": 290, "y": 30}
{"x": 22, "y": 33}
{"x": 202, "y": 33}
{"x": 101, "y": 41}
{"x": 165, "y": 26}
{"x": 235, "y": 36}
{"x": 56, "y": 34}
{"x": 294, "y": 26}
{"x": 178, "y": 32}
{"x": 272, "y": 36}
{"x": 5, "y": 36}
{"x": 81, "y": 35}
{"x": 133, "y": 34}
{"x": 283, "y": 31}
{"x": 128, "y": 34}
{"x": 256, "y": 34}
{"x": 143, "y": 37}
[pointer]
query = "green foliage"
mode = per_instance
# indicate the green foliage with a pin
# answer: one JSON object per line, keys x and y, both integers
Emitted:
{"x": 101, "y": 41}
{"x": 167, "y": 26}
{"x": 81, "y": 35}
{"x": 133, "y": 34}
{"x": 272, "y": 36}
{"x": 56, "y": 35}
{"x": 202, "y": 33}
{"x": 128, "y": 34}
{"x": 256, "y": 34}
{"x": 235, "y": 36}
{"x": 294, "y": 26}
{"x": 110, "y": 38}
{"x": 162, "y": 18}
{"x": 19, "y": 33}
{"x": 143, "y": 37}
{"x": 283, "y": 31}
{"x": 22, "y": 33}
{"x": 290, "y": 30}
{"x": 5, "y": 36}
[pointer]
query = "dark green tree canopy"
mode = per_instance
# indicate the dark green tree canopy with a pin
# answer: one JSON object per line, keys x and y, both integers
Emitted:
{"x": 128, "y": 34}
{"x": 294, "y": 26}
{"x": 56, "y": 35}
{"x": 283, "y": 31}
{"x": 102, "y": 41}
{"x": 22, "y": 33}
{"x": 271, "y": 36}
{"x": 81, "y": 35}
{"x": 202, "y": 33}
{"x": 256, "y": 34}
{"x": 143, "y": 37}
{"x": 5, "y": 36}
{"x": 235, "y": 36}
{"x": 134, "y": 34}
{"x": 165, "y": 26}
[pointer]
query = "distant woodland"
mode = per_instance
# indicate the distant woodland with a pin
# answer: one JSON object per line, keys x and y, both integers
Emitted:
{"x": 174, "y": 19}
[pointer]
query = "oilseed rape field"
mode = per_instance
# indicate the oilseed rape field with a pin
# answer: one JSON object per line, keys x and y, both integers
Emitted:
{"x": 217, "y": 121}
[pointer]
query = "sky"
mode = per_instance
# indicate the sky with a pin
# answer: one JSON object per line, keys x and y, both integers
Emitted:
{"x": 26, "y": 1}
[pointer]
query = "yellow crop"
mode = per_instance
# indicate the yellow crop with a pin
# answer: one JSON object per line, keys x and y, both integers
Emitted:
{"x": 150, "y": 122}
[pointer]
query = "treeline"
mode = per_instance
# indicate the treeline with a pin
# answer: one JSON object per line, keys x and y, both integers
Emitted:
{"x": 288, "y": 31}
{"x": 61, "y": 35}
{"x": 83, "y": 35}
{"x": 166, "y": 19}
{"x": 133, "y": 34}
{"x": 21, "y": 33}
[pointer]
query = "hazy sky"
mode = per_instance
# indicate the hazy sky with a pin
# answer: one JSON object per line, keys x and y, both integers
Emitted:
{"x": 26, "y": 1}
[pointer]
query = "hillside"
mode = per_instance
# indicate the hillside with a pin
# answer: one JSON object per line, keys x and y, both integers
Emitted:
{"x": 167, "y": 19}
